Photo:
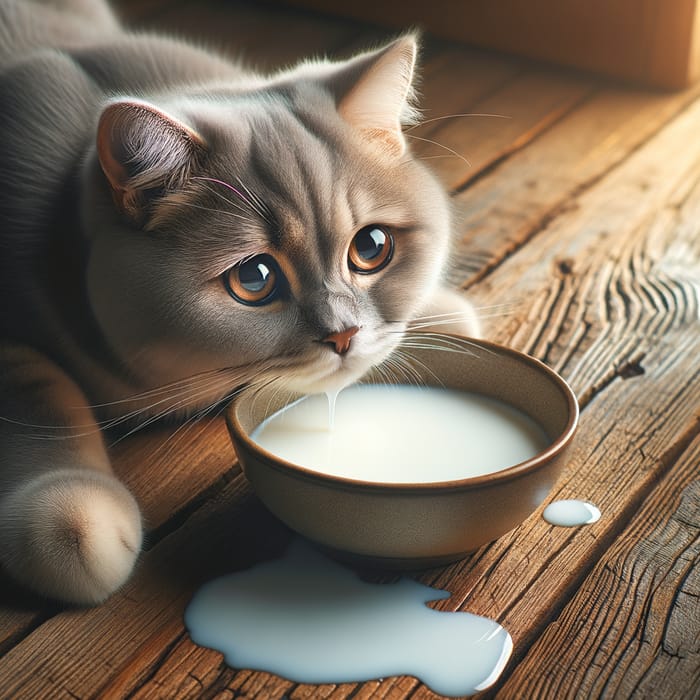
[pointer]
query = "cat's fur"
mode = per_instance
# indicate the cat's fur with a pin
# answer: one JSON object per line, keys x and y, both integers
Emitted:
{"x": 136, "y": 170}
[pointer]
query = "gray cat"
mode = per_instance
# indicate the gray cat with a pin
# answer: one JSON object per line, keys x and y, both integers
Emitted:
{"x": 174, "y": 227}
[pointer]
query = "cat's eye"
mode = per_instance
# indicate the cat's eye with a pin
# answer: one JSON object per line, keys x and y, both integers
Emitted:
{"x": 370, "y": 249}
{"x": 255, "y": 281}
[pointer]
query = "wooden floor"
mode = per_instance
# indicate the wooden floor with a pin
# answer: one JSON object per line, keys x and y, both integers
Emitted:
{"x": 580, "y": 212}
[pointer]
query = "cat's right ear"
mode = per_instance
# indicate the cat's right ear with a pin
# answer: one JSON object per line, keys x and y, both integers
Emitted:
{"x": 374, "y": 93}
{"x": 144, "y": 153}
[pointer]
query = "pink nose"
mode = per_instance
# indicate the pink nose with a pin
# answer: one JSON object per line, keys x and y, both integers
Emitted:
{"x": 341, "y": 340}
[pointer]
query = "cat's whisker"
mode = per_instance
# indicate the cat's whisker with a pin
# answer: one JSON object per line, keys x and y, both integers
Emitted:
{"x": 251, "y": 200}
{"x": 403, "y": 369}
{"x": 456, "y": 116}
{"x": 452, "y": 321}
{"x": 225, "y": 212}
{"x": 183, "y": 402}
{"x": 93, "y": 427}
{"x": 177, "y": 437}
{"x": 438, "y": 341}
{"x": 194, "y": 389}
{"x": 276, "y": 392}
{"x": 230, "y": 202}
{"x": 462, "y": 314}
{"x": 224, "y": 184}
{"x": 103, "y": 423}
{"x": 435, "y": 345}
{"x": 261, "y": 208}
{"x": 410, "y": 359}
{"x": 187, "y": 397}
{"x": 441, "y": 145}
{"x": 171, "y": 386}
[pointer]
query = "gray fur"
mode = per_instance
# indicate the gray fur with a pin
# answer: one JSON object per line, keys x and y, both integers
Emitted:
{"x": 115, "y": 234}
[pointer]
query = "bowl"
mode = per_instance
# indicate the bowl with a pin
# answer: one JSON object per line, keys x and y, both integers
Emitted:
{"x": 411, "y": 526}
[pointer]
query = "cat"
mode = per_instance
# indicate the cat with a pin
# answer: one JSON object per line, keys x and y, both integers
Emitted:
{"x": 176, "y": 226}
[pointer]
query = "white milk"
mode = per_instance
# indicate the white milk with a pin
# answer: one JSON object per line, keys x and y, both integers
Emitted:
{"x": 571, "y": 513}
{"x": 402, "y": 434}
{"x": 311, "y": 620}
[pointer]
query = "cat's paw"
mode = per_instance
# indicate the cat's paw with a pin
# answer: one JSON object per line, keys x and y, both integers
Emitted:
{"x": 447, "y": 311}
{"x": 73, "y": 535}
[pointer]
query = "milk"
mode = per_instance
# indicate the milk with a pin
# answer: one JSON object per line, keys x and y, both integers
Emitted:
{"x": 402, "y": 434}
{"x": 571, "y": 513}
{"x": 311, "y": 620}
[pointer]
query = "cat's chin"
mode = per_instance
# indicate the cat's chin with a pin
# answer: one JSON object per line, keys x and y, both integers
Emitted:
{"x": 314, "y": 380}
{"x": 326, "y": 384}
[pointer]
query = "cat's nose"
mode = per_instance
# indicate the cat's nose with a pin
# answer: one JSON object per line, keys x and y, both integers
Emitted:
{"x": 340, "y": 340}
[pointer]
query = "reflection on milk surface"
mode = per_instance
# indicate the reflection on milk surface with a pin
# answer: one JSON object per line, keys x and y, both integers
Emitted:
{"x": 311, "y": 620}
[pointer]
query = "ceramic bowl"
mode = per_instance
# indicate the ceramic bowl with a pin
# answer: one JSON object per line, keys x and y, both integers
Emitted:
{"x": 426, "y": 524}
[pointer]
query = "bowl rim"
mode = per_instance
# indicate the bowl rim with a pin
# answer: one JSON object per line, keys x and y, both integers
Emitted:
{"x": 556, "y": 447}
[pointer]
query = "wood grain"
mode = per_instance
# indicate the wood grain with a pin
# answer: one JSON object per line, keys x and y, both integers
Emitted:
{"x": 504, "y": 209}
{"x": 631, "y": 629}
{"x": 511, "y": 117}
{"x": 524, "y": 577}
{"x": 582, "y": 216}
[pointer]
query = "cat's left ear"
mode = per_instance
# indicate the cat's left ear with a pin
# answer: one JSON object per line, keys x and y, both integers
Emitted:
{"x": 375, "y": 92}
{"x": 144, "y": 153}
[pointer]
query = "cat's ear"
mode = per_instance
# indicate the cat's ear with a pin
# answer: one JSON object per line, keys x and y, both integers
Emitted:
{"x": 375, "y": 92}
{"x": 144, "y": 153}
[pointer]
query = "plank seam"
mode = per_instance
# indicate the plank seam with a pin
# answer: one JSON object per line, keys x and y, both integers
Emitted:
{"x": 37, "y": 621}
{"x": 155, "y": 667}
{"x": 179, "y": 517}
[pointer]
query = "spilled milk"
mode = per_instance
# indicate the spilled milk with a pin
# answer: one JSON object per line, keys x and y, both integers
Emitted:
{"x": 311, "y": 620}
{"x": 571, "y": 513}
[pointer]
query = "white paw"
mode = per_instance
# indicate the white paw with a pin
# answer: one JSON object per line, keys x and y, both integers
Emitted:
{"x": 70, "y": 534}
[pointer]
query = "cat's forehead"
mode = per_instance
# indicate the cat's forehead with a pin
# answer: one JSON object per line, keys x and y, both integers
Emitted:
{"x": 300, "y": 180}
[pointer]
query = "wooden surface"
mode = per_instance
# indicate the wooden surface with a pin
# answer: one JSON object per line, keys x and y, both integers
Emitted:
{"x": 649, "y": 42}
{"x": 579, "y": 210}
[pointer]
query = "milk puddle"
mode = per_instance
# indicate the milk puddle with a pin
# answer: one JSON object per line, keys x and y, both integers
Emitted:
{"x": 571, "y": 513}
{"x": 311, "y": 620}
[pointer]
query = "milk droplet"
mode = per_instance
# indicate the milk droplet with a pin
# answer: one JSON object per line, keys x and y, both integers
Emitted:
{"x": 311, "y": 620}
{"x": 571, "y": 513}
{"x": 332, "y": 397}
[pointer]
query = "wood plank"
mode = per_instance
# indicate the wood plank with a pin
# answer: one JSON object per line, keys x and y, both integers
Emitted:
{"x": 630, "y": 229}
{"x": 640, "y": 603}
{"x": 169, "y": 469}
{"x": 511, "y": 204}
{"x": 455, "y": 79}
{"x": 512, "y": 117}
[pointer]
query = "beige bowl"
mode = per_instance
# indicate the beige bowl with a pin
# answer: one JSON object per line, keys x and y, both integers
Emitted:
{"x": 418, "y": 525}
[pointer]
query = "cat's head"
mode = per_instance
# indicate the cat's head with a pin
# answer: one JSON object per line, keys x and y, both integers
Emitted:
{"x": 281, "y": 227}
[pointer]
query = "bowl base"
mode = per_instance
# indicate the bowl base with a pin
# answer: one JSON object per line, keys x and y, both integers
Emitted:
{"x": 375, "y": 563}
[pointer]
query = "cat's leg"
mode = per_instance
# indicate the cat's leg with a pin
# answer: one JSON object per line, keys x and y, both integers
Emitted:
{"x": 68, "y": 528}
{"x": 448, "y": 311}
